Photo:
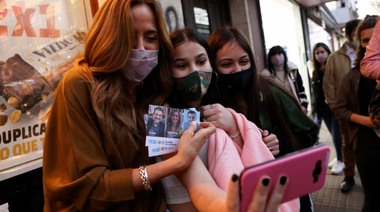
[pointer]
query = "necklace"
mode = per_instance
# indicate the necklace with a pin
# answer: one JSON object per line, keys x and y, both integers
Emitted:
{"x": 282, "y": 81}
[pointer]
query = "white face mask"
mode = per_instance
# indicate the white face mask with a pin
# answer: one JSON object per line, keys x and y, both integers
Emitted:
{"x": 140, "y": 64}
{"x": 278, "y": 60}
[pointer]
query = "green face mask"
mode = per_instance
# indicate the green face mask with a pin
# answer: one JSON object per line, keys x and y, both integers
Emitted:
{"x": 193, "y": 86}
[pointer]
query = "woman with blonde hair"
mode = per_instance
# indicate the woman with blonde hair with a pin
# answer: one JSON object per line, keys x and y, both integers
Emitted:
{"x": 94, "y": 152}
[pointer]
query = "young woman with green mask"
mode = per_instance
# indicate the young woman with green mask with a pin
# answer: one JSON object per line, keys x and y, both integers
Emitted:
{"x": 225, "y": 152}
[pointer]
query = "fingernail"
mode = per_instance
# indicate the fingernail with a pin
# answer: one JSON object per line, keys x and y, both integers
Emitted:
{"x": 234, "y": 178}
{"x": 266, "y": 181}
{"x": 283, "y": 180}
{"x": 194, "y": 123}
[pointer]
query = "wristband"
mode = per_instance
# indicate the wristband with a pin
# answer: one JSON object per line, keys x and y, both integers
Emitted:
{"x": 144, "y": 178}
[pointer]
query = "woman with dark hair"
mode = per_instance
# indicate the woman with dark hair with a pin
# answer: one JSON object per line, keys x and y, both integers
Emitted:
{"x": 319, "y": 58}
{"x": 321, "y": 109}
{"x": 206, "y": 93}
{"x": 261, "y": 99}
{"x": 225, "y": 152}
{"x": 287, "y": 74}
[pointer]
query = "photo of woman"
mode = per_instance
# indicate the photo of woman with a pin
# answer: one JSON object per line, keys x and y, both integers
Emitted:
{"x": 174, "y": 124}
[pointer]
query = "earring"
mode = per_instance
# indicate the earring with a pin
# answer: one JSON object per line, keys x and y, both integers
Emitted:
{"x": 216, "y": 75}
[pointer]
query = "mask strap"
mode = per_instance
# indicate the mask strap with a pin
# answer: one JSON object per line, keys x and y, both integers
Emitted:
{"x": 216, "y": 76}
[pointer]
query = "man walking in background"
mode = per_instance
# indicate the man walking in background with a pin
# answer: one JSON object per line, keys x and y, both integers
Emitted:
{"x": 338, "y": 64}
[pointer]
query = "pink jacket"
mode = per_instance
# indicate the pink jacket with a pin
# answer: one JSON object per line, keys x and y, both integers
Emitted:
{"x": 225, "y": 158}
{"x": 370, "y": 65}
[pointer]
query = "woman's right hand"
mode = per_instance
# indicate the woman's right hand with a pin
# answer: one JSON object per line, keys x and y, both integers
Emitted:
{"x": 190, "y": 142}
{"x": 368, "y": 122}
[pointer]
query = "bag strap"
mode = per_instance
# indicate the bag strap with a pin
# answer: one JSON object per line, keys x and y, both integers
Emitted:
{"x": 293, "y": 76}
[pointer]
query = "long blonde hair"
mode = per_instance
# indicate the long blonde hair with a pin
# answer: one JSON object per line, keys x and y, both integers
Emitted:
{"x": 108, "y": 44}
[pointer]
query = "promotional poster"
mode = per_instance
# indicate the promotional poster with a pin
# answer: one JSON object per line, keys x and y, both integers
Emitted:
{"x": 39, "y": 41}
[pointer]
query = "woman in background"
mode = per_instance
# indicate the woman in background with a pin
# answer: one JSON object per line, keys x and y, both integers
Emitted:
{"x": 287, "y": 74}
{"x": 322, "y": 111}
{"x": 354, "y": 96}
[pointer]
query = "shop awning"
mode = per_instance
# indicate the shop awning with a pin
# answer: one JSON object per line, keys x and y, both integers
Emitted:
{"x": 311, "y": 3}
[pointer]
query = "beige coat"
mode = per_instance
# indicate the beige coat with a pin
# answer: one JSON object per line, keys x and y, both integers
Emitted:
{"x": 337, "y": 66}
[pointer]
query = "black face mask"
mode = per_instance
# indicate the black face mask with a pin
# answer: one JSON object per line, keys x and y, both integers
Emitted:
{"x": 193, "y": 86}
{"x": 236, "y": 82}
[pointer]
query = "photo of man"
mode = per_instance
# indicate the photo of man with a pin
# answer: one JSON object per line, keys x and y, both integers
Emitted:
{"x": 155, "y": 125}
{"x": 191, "y": 116}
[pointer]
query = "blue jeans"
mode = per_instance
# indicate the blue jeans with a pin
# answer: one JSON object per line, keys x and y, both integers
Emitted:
{"x": 333, "y": 126}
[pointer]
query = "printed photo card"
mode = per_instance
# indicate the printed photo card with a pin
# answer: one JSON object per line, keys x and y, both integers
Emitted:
{"x": 164, "y": 127}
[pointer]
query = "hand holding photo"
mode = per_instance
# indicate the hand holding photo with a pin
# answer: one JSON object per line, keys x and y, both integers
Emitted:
{"x": 164, "y": 127}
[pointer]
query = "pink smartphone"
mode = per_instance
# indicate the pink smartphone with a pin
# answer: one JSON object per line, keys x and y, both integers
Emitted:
{"x": 306, "y": 171}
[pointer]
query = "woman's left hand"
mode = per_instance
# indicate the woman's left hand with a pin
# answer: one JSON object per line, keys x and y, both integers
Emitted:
{"x": 190, "y": 143}
{"x": 271, "y": 142}
{"x": 220, "y": 117}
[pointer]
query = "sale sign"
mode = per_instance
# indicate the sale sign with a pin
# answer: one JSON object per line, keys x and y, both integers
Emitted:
{"x": 39, "y": 41}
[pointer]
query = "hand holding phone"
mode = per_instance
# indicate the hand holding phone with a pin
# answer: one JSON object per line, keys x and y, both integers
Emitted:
{"x": 305, "y": 169}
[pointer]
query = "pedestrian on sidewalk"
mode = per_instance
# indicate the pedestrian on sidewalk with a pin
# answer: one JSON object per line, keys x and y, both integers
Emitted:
{"x": 321, "y": 110}
{"x": 337, "y": 66}
{"x": 287, "y": 74}
{"x": 352, "y": 108}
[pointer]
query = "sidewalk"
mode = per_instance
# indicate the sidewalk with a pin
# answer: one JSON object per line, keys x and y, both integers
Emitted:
{"x": 329, "y": 198}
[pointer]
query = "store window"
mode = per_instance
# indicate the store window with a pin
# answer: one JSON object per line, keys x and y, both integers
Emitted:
{"x": 39, "y": 40}
{"x": 206, "y": 15}
{"x": 202, "y": 20}
{"x": 282, "y": 25}
{"x": 318, "y": 34}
